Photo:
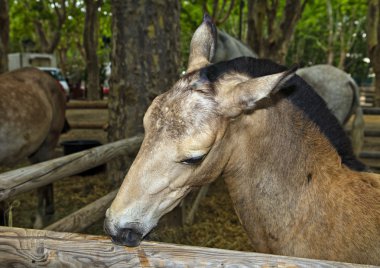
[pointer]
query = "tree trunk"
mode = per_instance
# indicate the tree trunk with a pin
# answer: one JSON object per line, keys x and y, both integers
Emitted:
{"x": 219, "y": 12}
{"x": 49, "y": 34}
{"x": 90, "y": 43}
{"x": 4, "y": 35}
{"x": 145, "y": 62}
{"x": 373, "y": 20}
{"x": 255, "y": 20}
{"x": 267, "y": 36}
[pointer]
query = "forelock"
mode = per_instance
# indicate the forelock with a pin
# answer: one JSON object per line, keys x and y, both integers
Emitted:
{"x": 182, "y": 110}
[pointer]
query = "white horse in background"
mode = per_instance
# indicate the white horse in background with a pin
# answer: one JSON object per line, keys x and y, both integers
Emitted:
{"x": 336, "y": 87}
{"x": 228, "y": 48}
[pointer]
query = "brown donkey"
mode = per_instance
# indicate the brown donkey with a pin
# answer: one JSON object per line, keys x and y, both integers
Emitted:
{"x": 294, "y": 182}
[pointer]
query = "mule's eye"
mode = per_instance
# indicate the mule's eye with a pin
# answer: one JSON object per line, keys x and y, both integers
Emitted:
{"x": 193, "y": 160}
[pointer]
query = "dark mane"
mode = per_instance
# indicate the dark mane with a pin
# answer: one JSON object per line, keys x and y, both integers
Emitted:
{"x": 301, "y": 95}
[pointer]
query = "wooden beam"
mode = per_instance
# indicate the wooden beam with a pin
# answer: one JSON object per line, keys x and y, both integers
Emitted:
{"x": 87, "y": 104}
{"x": 27, "y": 247}
{"x": 87, "y": 125}
{"x": 371, "y": 155}
{"x": 372, "y": 133}
{"x": 371, "y": 111}
{"x": 34, "y": 176}
{"x": 367, "y": 133}
{"x": 84, "y": 217}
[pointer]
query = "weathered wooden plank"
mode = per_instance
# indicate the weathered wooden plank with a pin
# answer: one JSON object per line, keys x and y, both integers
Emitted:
{"x": 84, "y": 217}
{"x": 77, "y": 104}
{"x": 366, "y": 90}
{"x": 372, "y": 111}
{"x": 32, "y": 248}
{"x": 372, "y": 133}
{"x": 32, "y": 177}
{"x": 87, "y": 125}
{"x": 367, "y": 133}
{"x": 371, "y": 155}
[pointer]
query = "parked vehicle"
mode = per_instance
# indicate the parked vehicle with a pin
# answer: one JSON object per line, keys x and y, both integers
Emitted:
{"x": 19, "y": 60}
{"x": 43, "y": 61}
{"x": 106, "y": 88}
{"x": 57, "y": 74}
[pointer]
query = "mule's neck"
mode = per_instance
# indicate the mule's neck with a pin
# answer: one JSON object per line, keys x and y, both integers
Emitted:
{"x": 276, "y": 154}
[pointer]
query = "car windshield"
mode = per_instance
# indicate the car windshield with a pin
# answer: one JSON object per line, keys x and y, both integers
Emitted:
{"x": 56, "y": 74}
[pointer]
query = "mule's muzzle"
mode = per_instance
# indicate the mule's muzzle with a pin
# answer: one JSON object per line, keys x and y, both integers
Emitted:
{"x": 127, "y": 237}
{"x": 123, "y": 236}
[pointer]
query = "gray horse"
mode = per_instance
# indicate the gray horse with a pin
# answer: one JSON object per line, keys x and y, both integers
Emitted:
{"x": 228, "y": 48}
{"x": 336, "y": 87}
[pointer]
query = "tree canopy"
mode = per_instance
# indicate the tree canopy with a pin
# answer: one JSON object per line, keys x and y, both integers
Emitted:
{"x": 327, "y": 31}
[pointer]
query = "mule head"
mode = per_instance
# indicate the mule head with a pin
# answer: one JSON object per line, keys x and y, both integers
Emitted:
{"x": 186, "y": 143}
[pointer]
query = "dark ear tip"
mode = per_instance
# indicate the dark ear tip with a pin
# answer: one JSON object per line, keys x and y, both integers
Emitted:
{"x": 293, "y": 68}
{"x": 207, "y": 18}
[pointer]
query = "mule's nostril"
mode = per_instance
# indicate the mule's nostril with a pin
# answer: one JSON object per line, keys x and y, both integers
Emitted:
{"x": 130, "y": 237}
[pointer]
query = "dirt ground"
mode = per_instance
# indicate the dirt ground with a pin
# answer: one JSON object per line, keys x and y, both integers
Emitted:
{"x": 216, "y": 224}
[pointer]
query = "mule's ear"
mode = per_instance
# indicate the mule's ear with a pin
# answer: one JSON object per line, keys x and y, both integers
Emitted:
{"x": 202, "y": 46}
{"x": 245, "y": 95}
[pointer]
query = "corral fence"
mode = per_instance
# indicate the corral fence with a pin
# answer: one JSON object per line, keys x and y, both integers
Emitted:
{"x": 35, "y": 176}
{"x": 372, "y": 157}
{"x": 30, "y": 248}
{"x": 86, "y": 105}
{"x": 366, "y": 97}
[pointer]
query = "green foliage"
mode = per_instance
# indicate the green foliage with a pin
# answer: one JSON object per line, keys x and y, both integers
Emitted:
{"x": 24, "y": 38}
{"x": 23, "y": 16}
{"x": 21, "y": 27}
{"x": 309, "y": 44}
{"x": 71, "y": 42}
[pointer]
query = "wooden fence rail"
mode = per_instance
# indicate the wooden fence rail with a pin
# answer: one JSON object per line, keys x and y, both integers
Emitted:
{"x": 87, "y": 125}
{"x": 87, "y": 104}
{"x": 84, "y": 217}
{"x": 34, "y": 176}
{"x": 31, "y": 248}
{"x": 371, "y": 111}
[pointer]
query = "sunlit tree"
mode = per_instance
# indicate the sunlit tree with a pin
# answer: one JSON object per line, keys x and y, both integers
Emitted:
{"x": 332, "y": 32}
{"x": 145, "y": 62}
{"x": 271, "y": 25}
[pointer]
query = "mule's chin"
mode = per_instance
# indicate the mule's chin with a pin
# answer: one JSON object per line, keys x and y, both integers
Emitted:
{"x": 127, "y": 237}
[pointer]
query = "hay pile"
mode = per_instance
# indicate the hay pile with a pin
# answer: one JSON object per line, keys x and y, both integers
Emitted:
{"x": 216, "y": 224}
{"x": 70, "y": 195}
